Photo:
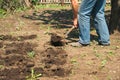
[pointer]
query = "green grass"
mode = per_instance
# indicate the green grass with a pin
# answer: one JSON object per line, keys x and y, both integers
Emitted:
{"x": 21, "y": 9}
{"x": 1, "y": 66}
{"x": 31, "y": 54}
{"x": 2, "y": 13}
{"x": 48, "y": 31}
{"x": 52, "y": 6}
{"x": 73, "y": 60}
{"x": 33, "y": 76}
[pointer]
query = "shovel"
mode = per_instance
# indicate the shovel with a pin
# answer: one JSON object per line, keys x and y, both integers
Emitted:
{"x": 66, "y": 34}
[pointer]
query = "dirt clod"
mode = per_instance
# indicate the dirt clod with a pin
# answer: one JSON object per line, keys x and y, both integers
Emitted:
{"x": 57, "y": 40}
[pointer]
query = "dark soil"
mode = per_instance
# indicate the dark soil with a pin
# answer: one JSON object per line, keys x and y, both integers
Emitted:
{"x": 17, "y": 64}
{"x": 55, "y": 60}
{"x": 57, "y": 40}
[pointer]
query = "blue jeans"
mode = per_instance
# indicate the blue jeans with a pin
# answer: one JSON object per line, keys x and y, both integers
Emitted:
{"x": 94, "y": 8}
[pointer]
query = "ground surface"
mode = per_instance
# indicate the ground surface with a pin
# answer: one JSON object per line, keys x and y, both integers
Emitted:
{"x": 26, "y": 51}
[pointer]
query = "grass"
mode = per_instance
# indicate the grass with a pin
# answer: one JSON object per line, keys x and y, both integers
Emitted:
{"x": 19, "y": 25}
{"x": 31, "y": 54}
{"x": 73, "y": 60}
{"x": 89, "y": 62}
{"x": 103, "y": 63}
{"x": 108, "y": 6}
{"x": 52, "y": 6}
{"x": 21, "y": 9}
{"x": 48, "y": 31}
{"x": 111, "y": 53}
{"x": 33, "y": 76}
{"x": 2, "y": 13}
{"x": 97, "y": 52}
{"x": 1, "y": 66}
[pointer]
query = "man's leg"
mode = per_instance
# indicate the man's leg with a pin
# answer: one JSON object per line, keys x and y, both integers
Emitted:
{"x": 100, "y": 23}
{"x": 84, "y": 20}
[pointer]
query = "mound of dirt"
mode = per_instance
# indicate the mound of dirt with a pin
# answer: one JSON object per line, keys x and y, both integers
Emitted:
{"x": 57, "y": 40}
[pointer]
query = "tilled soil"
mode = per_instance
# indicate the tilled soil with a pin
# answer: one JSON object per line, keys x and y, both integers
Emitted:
{"x": 17, "y": 64}
{"x": 32, "y": 43}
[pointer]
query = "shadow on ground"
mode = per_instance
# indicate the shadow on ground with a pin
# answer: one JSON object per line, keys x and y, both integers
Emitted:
{"x": 57, "y": 18}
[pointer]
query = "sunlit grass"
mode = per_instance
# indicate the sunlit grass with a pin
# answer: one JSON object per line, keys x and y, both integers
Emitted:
{"x": 52, "y": 6}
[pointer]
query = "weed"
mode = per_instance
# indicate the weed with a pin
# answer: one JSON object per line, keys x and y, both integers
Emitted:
{"x": 33, "y": 76}
{"x": 97, "y": 55}
{"x": 1, "y": 37}
{"x": 73, "y": 60}
{"x": 48, "y": 30}
{"x": 103, "y": 63}
{"x": 73, "y": 72}
{"x": 19, "y": 39}
{"x": 111, "y": 53}
{"x": 20, "y": 9}
{"x": 109, "y": 77}
{"x": 52, "y": 6}
{"x": 89, "y": 63}
{"x": 19, "y": 24}
{"x": 83, "y": 55}
{"x": 1, "y": 66}
{"x": 31, "y": 54}
{"x": 2, "y": 13}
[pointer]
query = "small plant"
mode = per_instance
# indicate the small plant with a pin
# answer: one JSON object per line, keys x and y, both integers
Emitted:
{"x": 18, "y": 38}
{"x": 31, "y": 54}
{"x": 97, "y": 55}
{"x": 109, "y": 77}
{"x": 83, "y": 55}
{"x": 1, "y": 66}
{"x": 19, "y": 24}
{"x": 89, "y": 63}
{"x": 1, "y": 37}
{"x": 20, "y": 9}
{"x": 2, "y": 13}
{"x": 110, "y": 53}
{"x": 48, "y": 30}
{"x": 73, "y": 60}
{"x": 33, "y": 76}
{"x": 103, "y": 63}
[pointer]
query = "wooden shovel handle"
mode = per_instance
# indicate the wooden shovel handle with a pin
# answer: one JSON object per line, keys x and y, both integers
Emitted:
{"x": 69, "y": 31}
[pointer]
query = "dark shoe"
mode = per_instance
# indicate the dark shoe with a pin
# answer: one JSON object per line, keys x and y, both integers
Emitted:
{"x": 108, "y": 44}
{"x": 77, "y": 44}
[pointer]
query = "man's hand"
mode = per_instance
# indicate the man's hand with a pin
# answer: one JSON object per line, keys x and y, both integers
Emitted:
{"x": 75, "y": 23}
{"x": 75, "y": 12}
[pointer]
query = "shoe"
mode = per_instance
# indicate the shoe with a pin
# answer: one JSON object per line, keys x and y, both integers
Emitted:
{"x": 77, "y": 44}
{"x": 108, "y": 44}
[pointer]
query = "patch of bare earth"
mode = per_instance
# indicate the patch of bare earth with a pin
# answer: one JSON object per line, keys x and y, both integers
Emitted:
{"x": 54, "y": 59}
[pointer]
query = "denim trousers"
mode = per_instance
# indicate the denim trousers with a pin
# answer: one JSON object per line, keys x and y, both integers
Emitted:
{"x": 94, "y": 8}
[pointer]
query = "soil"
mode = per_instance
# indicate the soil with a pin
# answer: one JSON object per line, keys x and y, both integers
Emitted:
{"x": 33, "y": 40}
